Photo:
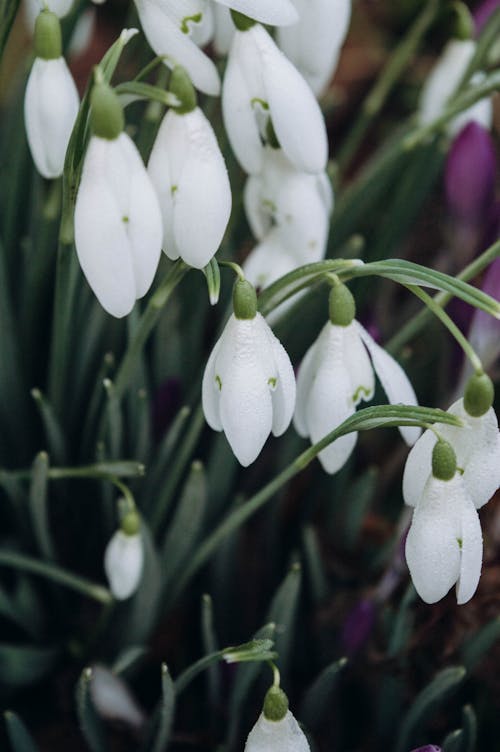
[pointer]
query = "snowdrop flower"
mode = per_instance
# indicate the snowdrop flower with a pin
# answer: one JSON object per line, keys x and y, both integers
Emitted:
{"x": 113, "y": 699}
{"x": 297, "y": 203}
{"x": 442, "y": 83}
{"x": 223, "y": 29}
{"x": 337, "y": 373}
{"x": 124, "y": 558}
{"x": 444, "y": 545}
{"x": 276, "y": 727}
{"x": 189, "y": 175}
{"x": 476, "y": 445}
{"x": 269, "y": 261}
{"x": 248, "y": 385}
{"x": 169, "y": 26}
{"x": 314, "y": 43}
{"x": 51, "y": 101}
{"x": 118, "y": 226}
{"x": 261, "y": 83}
{"x": 275, "y": 13}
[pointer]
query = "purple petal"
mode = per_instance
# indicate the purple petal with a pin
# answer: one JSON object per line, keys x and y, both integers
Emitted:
{"x": 484, "y": 333}
{"x": 358, "y": 626}
{"x": 483, "y": 12}
{"x": 428, "y": 748}
{"x": 470, "y": 175}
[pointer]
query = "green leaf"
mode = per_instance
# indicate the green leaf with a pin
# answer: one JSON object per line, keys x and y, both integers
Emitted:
{"x": 212, "y": 275}
{"x": 134, "y": 91}
{"x": 441, "y": 688}
{"x": 317, "y": 699}
{"x": 22, "y": 665}
{"x": 454, "y": 742}
{"x": 477, "y": 646}
{"x": 469, "y": 721}
{"x": 314, "y": 564}
{"x": 8, "y": 10}
{"x": 128, "y": 658}
{"x": 184, "y": 530}
{"x": 90, "y": 723}
{"x": 38, "y": 505}
{"x": 54, "y": 434}
{"x": 19, "y": 737}
{"x": 160, "y": 727}
{"x": 160, "y": 462}
{"x": 283, "y": 612}
{"x": 255, "y": 650}
{"x": 403, "y": 623}
{"x": 360, "y": 495}
{"x": 210, "y": 645}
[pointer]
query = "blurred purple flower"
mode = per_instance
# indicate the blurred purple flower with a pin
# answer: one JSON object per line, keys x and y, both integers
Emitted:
{"x": 483, "y": 12}
{"x": 484, "y": 332}
{"x": 166, "y": 403}
{"x": 358, "y": 625}
{"x": 470, "y": 175}
{"x": 428, "y": 748}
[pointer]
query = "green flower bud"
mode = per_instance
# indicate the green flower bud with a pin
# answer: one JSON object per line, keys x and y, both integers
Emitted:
{"x": 462, "y": 22}
{"x": 275, "y": 704}
{"x": 242, "y": 23}
{"x": 479, "y": 395}
{"x": 182, "y": 87}
{"x": 47, "y": 38}
{"x": 106, "y": 113}
{"x": 244, "y": 300}
{"x": 342, "y": 305}
{"x": 444, "y": 461}
{"x": 131, "y": 523}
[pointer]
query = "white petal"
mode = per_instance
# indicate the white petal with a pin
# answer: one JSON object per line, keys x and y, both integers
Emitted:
{"x": 224, "y": 29}
{"x": 166, "y": 38}
{"x": 101, "y": 240}
{"x": 358, "y": 365}
{"x": 283, "y": 393}
{"x": 259, "y": 217}
{"x": 238, "y": 91}
{"x": 144, "y": 225}
{"x": 278, "y": 736}
{"x": 297, "y": 118}
{"x": 330, "y": 401}
{"x": 313, "y": 45}
{"x": 307, "y": 373}
{"x": 245, "y": 403}
{"x": 275, "y": 13}
{"x": 268, "y": 261}
{"x": 472, "y": 553}
{"x": 33, "y": 7}
{"x": 112, "y": 698}
{"x": 211, "y": 391}
{"x": 432, "y": 549}
{"x": 123, "y": 563}
{"x": 394, "y": 381}
{"x": 418, "y": 467}
{"x": 202, "y": 201}
{"x": 50, "y": 108}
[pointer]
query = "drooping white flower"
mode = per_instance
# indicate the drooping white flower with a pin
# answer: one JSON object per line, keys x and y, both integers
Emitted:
{"x": 123, "y": 563}
{"x": 275, "y": 13}
{"x": 442, "y": 84}
{"x": 314, "y": 43}
{"x": 296, "y": 203}
{"x": 51, "y": 101}
{"x": 284, "y": 735}
{"x": 118, "y": 225}
{"x": 113, "y": 699}
{"x": 248, "y": 385}
{"x": 336, "y": 374}
{"x": 477, "y": 448}
{"x": 260, "y": 82}
{"x": 169, "y": 26}
{"x": 223, "y": 29}
{"x": 444, "y": 545}
{"x": 190, "y": 177}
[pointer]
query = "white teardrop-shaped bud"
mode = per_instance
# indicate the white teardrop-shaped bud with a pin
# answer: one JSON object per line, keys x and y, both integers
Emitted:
{"x": 279, "y": 736}
{"x": 123, "y": 563}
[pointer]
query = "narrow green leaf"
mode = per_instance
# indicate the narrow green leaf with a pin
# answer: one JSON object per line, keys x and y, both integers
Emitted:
{"x": 114, "y": 419}
{"x": 157, "y": 470}
{"x": 127, "y": 658}
{"x": 403, "y": 623}
{"x": 360, "y": 495}
{"x": 23, "y": 665}
{"x": 134, "y": 91}
{"x": 317, "y": 698}
{"x": 212, "y": 275}
{"x": 469, "y": 721}
{"x": 38, "y": 505}
{"x": 454, "y": 742}
{"x": 210, "y": 645}
{"x": 8, "y": 10}
{"x": 314, "y": 564}
{"x": 184, "y": 530}
{"x": 440, "y": 689}
{"x": 161, "y": 723}
{"x": 283, "y": 612}
{"x": 477, "y": 646}
{"x": 90, "y": 723}
{"x": 19, "y": 737}
{"x": 54, "y": 434}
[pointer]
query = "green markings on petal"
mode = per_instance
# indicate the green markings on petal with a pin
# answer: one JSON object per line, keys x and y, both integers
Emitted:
{"x": 460, "y": 542}
{"x": 272, "y": 382}
{"x": 125, "y": 219}
{"x": 174, "y": 189}
{"x": 218, "y": 381}
{"x": 260, "y": 102}
{"x": 361, "y": 391}
{"x": 196, "y": 19}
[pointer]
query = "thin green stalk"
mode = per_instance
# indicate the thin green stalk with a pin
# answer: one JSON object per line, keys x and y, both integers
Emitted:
{"x": 192, "y": 672}
{"x": 389, "y": 76}
{"x": 450, "y": 325}
{"x": 97, "y": 471}
{"x": 55, "y": 574}
{"x": 417, "y": 322}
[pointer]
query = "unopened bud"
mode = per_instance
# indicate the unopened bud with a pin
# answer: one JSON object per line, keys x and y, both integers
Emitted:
{"x": 182, "y": 87}
{"x": 275, "y": 704}
{"x": 106, "y": 115}
{"x": 479, "y": 395}
{"x": 342, "y": 305}
{"x": 47, "y": 38}
{"x": 244, "y": 300}
{"x": 444, "y": 461}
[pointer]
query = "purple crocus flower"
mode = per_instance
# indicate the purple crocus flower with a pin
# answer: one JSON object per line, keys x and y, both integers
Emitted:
{"x": 428, "y": 748}
{"x": 358, "y": 626}
{"x": 470, "y": 175}
{"x": 484, "y": 333}
{"x": 483, "y": 12}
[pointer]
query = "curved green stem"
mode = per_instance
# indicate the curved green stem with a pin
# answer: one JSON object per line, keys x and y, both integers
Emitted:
{"x": 450, "y": 325}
